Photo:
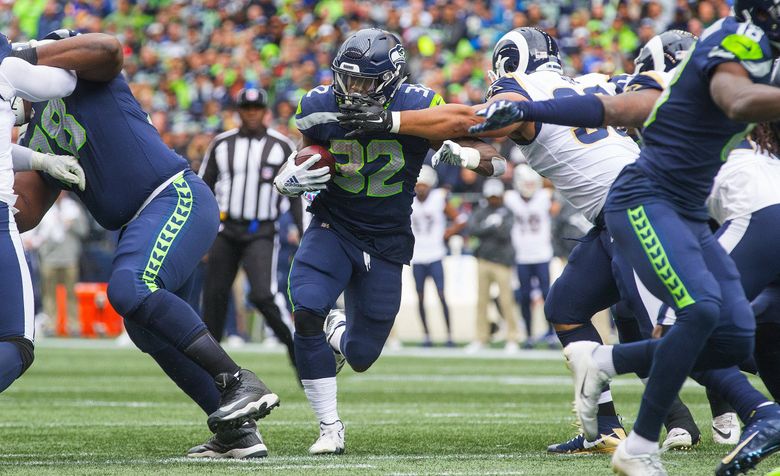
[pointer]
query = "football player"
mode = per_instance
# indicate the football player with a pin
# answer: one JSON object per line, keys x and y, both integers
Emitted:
{"x": 168, "y": 218}
{"x": 430, "y": 211}
{"x": 360, "y": 236}
{"x": 582, "y": 164}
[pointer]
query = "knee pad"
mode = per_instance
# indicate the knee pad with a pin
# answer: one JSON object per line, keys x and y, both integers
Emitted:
{"x": 26, "y": 350}
{"x": 122, "y": 292}
{"x": 307, "y": 324}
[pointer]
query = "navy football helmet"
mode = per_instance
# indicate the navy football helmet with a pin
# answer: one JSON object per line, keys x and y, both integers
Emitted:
{"x": 525, "y": 50}
{"x": 665, "y": 51}
{"x": 371, "y": 63}
{"x": 765, "y": 14}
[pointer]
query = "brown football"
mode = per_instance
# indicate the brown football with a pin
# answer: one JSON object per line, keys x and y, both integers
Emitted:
{"x": 326, "y": 158}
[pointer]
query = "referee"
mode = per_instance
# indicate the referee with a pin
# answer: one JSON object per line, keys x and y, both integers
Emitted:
{"x": 240, "y": 166}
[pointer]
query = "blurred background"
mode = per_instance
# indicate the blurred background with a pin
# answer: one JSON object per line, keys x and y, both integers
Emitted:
{"x": 187, "y": 60}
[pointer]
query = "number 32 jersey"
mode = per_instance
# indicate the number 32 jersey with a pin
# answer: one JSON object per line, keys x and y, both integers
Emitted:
{"x": 369, "y": 200}
{"x": 582, "y": 163}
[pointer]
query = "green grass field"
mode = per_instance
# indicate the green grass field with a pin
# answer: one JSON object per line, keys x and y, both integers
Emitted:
{"x": 97, "y": 410}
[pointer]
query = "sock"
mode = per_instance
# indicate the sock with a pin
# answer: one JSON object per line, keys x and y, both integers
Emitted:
{"x": 767, "y": 356}
{"x": 636, "y": 357}
{"x": 525, "y": 309}
{"x": 680, "y": 417}
{"x": 10, "y": 364}
{"x": 446, "y": 310}
{"x": 188, "y": 375}
{"x": 603, "y": 357}
{"x": 606, "y": 405}
{"x": 718, "y": 406}
{"x": 322, "y": 396}
{"x": 421, "y": 309}
{"x": 314, "y": 357}
{"x": 638, "y": 445}
{"x": 210, "y": 356}
{"x": 733, "y": 386}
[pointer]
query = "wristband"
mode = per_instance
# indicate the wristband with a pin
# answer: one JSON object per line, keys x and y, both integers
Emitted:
{"x": 396, "y": 117}
{"x": 469, "y": 157}
{"x": 574, "y": 111}
{"x": 28, "y": 54}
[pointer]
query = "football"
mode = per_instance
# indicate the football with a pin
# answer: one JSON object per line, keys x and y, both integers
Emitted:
{"x": 326, "y": 158}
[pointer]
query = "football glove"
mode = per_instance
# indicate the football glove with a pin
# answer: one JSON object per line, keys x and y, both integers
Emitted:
{"x": 500, "y": 114}
{"x": 62, "y": 167}
{"x": 292, "y": 180}
{"x": 366, "y": 116}
{"x": 453, "y": 153}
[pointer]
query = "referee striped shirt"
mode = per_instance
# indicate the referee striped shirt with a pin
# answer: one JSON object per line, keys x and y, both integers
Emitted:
{"x": 240, "y": 169}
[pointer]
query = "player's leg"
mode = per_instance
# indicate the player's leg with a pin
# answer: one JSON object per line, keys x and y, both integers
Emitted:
{"x": 542, "y": 273}
{"x": 420, "y": 273}
{"x": 483, "y": 298}
{"x": 767, "y": 353}
{"x": 319, "y": 273}
{"x": 221, "y": 268}
{"x": 16, "y": 294}
{"x": 569, "y": 307}
{"x": 259, "y": 261}
{"x": 524, "y": 275}
{"x": 156, "y": 254}
{"x": 437, "y": 273}
{"x": 506, "y": 302}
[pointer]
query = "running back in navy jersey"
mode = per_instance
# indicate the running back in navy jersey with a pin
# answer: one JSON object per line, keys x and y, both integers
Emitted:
{"x": 369, "y": 200}
{"x": 688, "y": 137}
{"x": 122, "y": 154}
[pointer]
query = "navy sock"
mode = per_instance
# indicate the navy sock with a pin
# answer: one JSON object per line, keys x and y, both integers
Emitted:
{"x": 314, "y": 357}
{"x": 585, "y": 332}
{"x": 636, "y": 357}
{"x": 446, "y": 309}
{"x": 525, "y": 309}
{"x": 733, "y": 386}
{"x": 189, "y": 376}
{"x": 11, "y": 364}
{"x": 421, "y": 308}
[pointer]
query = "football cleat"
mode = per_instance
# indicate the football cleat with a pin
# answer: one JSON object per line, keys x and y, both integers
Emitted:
{"x": 759, "y": 439}
{"x": 611, "y": 433}
{"x": 336, "y": 319}
{"x": 725, "y": 429}
{"x": 240, "y": 443}
{"x": 678, "y": 439}
{"x": 331, "y": 440}
{"x": 625, "y": 464}
{"x": 244, "y": 397}
{"x": 589, "y": 380}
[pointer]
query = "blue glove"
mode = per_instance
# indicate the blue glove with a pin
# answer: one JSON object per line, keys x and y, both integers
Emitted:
{"x": 501, "y": 114}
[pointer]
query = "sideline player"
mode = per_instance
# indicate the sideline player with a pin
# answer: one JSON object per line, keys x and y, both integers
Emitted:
{"x": 526, "y": 66}
{"x": 361, "y": 234}
{"x": 168, "y": 218}
{"x": 430, "y": 211}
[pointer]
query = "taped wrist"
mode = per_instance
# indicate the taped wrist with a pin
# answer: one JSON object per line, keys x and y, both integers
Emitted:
{"x": 574, "y": 111}
{"x": 469, "y": 157}
{"x": 29, "y": 54}
{"x": 396, "y": 126}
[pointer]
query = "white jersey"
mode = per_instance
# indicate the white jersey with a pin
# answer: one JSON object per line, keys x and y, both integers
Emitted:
{"x": 581, "y": 163}
{"x": 747, "y": 182}
{"x": 428, "y": 225}
{"x": 532, "y": 230}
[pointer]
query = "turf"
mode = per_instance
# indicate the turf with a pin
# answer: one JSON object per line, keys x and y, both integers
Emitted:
{"x": 96, "y": 410}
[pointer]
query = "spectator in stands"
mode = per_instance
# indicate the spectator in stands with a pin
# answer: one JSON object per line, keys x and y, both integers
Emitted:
{"x": 491, "y": 223}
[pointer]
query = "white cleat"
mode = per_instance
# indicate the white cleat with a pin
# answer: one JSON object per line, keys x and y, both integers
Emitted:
{"x": 589, "y": 381}
{"x": 725, "y": 429}
{"x": 625, "y": 464}
{"x": 331, "y": 440}
{"x": 335, "y": 320}
{"x": 677, "y": 439}
{"x": 511, "y": 348}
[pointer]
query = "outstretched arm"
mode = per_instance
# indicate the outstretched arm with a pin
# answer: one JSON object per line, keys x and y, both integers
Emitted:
{"x": 93, "y": 56}
{"x": 470, "y": 153}
{"x": 740, "y": 98}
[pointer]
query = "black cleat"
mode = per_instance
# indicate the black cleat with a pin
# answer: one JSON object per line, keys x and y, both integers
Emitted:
{"x": 244, "y": 397}
{"x": 240, "y": 443}
{"x": 760, "y": 438}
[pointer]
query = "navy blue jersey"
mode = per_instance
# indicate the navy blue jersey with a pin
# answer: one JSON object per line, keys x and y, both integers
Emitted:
{"x": 687, "y": 136}
{"x": 370, "y": 197}
{"x": 123, "y": 155}
{"x": 621, "y": 81}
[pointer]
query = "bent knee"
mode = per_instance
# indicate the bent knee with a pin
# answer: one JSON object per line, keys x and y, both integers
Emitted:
{"x": 26, "y": 351}
{"x": 123, "y": 292}
{"x": 307, "y": 323}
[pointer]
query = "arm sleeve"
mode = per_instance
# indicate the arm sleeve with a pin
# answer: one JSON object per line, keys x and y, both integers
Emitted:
{"x": 22, "y": 157}
{"x": 208, "y": 168}
{"x": 34, "y": 82}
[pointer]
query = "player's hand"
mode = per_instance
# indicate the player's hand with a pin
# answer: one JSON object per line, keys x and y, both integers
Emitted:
{"x": 292, "y": 180}
{"x": 366, "y": 116}
{"x": 448, "y": 153}
{"x": 500, "y": 114}
{"x": 62, "y": 167}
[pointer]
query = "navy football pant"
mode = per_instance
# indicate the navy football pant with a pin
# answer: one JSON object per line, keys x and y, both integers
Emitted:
{"x": 16, "y": 296}
{"x": 325, "y": 265}
{"x": 421, "y": 272}
{"x": 150, "y": 283}
{"x": 525, "y": 274}
{"x": 681, "y": 263}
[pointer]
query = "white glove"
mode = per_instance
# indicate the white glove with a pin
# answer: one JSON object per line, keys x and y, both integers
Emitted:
{"x": 292, "y": 180}
{"x": 492, "y": 220}
{"x": 453, "y": 153}
{"x": 61, "y": 167}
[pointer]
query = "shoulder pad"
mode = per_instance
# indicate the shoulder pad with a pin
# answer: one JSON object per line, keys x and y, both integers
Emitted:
{"x": 416, "y": 96}
{"x": 316, "y": 107}
{"x": 510, "y": 83}
{"x": 649, "y": 80}
{"x": 729, "y": 40}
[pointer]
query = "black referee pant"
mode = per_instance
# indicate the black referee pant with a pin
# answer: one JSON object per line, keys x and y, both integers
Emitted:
{"x": 257, "y": 252}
